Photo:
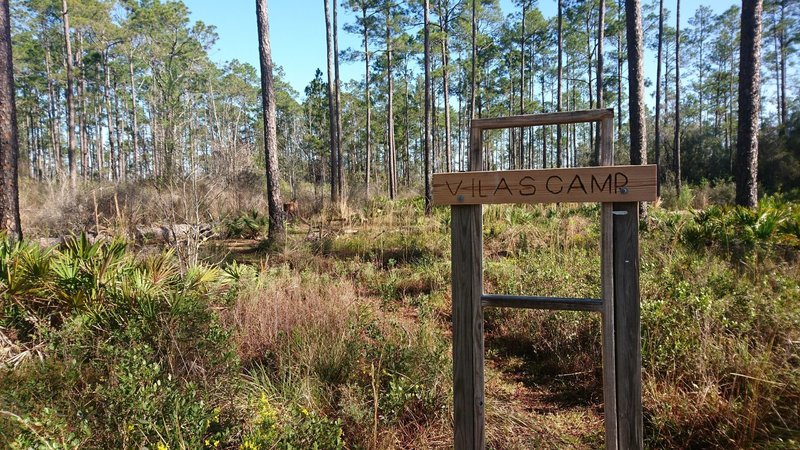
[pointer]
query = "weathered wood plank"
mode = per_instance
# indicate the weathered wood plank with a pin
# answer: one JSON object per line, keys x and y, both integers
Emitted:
{"x": 584, "y": 184}
{"x": 467, "y": 247}
{"x": 607, "y": 280}
{"x": 627, "y": 325}
{"x": 467, "y": 288}
{"x": 537, "y": 302}
{"x": 592, "y": 115}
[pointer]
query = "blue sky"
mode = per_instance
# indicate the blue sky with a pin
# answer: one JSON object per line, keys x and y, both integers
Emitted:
{"x": 297, "y": 32}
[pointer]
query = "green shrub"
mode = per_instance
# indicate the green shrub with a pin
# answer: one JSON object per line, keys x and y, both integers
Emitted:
{"x": 773, "y": 226}
{"x": 133, "y": 354}
{"x": 294, "y": 428}
{"x": 249, "y": 225}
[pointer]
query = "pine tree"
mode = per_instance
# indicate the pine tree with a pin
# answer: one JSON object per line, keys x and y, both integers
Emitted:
{"x": 276, "y": 218}
{"x": 9, "y": 142}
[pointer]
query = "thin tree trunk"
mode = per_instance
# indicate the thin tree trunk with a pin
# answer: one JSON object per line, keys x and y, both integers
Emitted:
{"x": 601, "y": 24}
{"x": 97, "y": 164}
{"x": 474, "y": 47}
{"x": 134, "y": 119}
{"x": 154, "y": 168}
{"x": 619, "y": 72}
{"x": 676, "y": 146}
{"x": 591, "y": 70}
{"x": 367, "y": 95}
{"x": 658, "y": 95}
{"x": 338, "y": 87}
{"x": 636, "y": 105}
{"x": 73, "y": 172}
{"x": 777, "y": 52}
{"x": 9, "y": 140}
{"x": 783, "y": 45}
{"x": 335, "y": 198}
{"x": 82, "y": 126}
{"x": 55, "y": 126}
{"x": 559, "y": 158}
{"x": 544, "y": 135}
{"x": 749, "y": 86}
{"x": 392, "y": 163}
{"x": 276, "y": 218}
{"x": 444, "y": 22}
{"x": 407, "y": 131}
{"x": 40, "y": 152}
{"x": 427, "y": 150}
{"x": 109, "y": 122}
{"x": 522, "y": 82}
{"x": 121, "y": 159}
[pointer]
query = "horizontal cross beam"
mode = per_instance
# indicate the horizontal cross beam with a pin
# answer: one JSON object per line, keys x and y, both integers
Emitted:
{"x": 532, "y": 120}
{"x": 535, "y": 302}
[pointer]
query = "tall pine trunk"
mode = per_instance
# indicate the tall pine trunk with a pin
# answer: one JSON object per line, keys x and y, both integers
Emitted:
{"x": 428, "y": 119}
{"x": 392, "y": 163}
{"x": 559, "y": 156}
{"x": 474, "y": 47}
{"x": 601, "y": 24}
{"x": 109, "y": 122}
{"x": 332, "y": 125}
{"x": 82, "y": 125}
{"x": 636, "y": 106}
{"x": 676, "y": 146}
{"x": 448, "y": 138}
{"x": 633, "y": 13}
{"x": 121, "y": 160}
{"x": 367, "y": 95}
{"x": 134, "y": 119}
{"x": 52, "y": 112}
{"x": 522, "y": 84}
{"x": 338, "y": 88}
{"x": 73, "y": 172}
{"x": 783, "y": 48}
{"x": 9, "y": 140}
{"x": 276, "y": 218}
{"x": 749, "y": 84}
{"x": 658, "y": 95}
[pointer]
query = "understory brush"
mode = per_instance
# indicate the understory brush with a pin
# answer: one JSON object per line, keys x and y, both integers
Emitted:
{"x": 341, "y": 339}
{"x": 327, "y": 366}
{"x": 112, "y": 351}
{"x": 720, "y": 315}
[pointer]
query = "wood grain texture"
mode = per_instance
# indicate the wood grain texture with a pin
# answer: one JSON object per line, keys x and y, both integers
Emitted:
{"x": 467, "y": 276}
{"x": 530, "y": 120}
{"x": 584, "y": 184}
{"x": 627, "y": 325}
{"x": 607, "y": 285}
{"x": 467, "y": 289}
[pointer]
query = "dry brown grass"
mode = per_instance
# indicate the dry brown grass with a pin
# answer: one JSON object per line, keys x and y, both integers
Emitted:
{"x": 54, "y": 209}
{"x": 280, "y": 302}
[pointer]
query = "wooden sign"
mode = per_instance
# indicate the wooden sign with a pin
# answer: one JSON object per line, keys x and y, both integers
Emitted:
{"x": 584, "y": 184}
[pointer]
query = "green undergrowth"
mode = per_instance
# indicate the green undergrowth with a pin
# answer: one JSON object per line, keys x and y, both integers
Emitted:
{"x": 112, "y": 351}
{"x": 341, "y": 339}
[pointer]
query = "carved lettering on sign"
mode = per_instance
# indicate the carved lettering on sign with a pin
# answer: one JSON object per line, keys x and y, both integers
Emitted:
{"x": 585, "y": 184}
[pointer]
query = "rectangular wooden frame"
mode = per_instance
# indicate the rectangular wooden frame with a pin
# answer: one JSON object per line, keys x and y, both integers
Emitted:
{"x": 619, "y": 306}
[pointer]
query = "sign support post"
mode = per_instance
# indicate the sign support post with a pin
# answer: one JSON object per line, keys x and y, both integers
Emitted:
{"x": 618, "y": 189}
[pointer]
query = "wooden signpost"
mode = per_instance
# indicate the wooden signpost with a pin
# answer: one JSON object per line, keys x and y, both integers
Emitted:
{"x": 618, "y": 189}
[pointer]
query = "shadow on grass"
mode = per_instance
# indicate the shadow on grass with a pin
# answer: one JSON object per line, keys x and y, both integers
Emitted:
{"x": 568, "y": 380}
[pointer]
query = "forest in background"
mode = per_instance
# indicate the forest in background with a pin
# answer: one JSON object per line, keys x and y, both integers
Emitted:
{"x": 149, "y": 104}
